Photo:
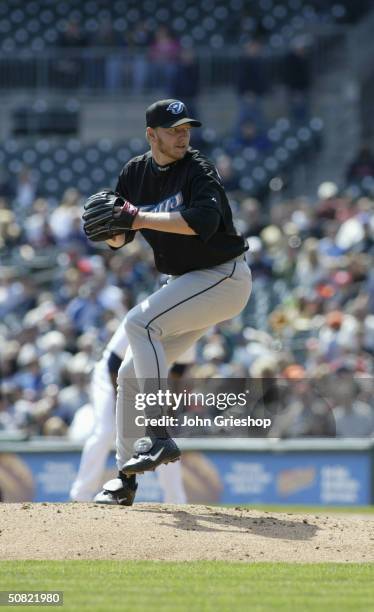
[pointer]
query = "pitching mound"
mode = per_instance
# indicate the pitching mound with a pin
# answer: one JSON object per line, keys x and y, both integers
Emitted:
{"x": 180, "y": 533}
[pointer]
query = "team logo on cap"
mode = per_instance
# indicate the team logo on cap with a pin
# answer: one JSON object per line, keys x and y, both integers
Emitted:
{"x": 176, "y": 107}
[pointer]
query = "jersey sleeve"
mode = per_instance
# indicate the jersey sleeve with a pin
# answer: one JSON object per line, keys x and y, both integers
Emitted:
{"x": 121, "y": 189}
{"x": 205, "y": 210}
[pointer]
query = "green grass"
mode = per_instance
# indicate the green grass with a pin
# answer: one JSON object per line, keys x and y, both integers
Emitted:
{"x": 300, "y": 509}
{"x": 199, "y": 586}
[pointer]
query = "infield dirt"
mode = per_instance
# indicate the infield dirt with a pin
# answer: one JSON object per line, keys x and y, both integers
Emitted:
{"x": 180, "y": 533}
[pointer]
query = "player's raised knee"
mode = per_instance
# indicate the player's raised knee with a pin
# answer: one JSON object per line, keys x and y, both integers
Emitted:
{"x": 134, "y": 322}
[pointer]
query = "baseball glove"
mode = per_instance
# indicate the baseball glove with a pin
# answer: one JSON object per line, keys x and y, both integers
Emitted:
{"x": 107, "y": 214}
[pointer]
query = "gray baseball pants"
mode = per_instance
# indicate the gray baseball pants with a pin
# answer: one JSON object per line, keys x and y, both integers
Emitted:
{"x": 167, "y": 323}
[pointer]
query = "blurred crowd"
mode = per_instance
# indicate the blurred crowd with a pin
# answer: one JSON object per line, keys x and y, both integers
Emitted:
{"x": 148, "y": 58}
{"x": 152, "y": 57}
{"x": 310, "y": 319}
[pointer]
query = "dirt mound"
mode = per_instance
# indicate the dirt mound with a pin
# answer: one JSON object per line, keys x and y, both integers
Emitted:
{"x": 180, "y": 533}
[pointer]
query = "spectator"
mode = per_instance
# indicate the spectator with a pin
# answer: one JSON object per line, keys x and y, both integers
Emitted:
{"x": 37, "y": 229}
{"x": 278, "y": 249}
{"x": 6, "y": 184}
{"x": 139, "y": 41}
{"x": 25, "y": 189}
{"x": 54, "y": 357}
{"x": 260, "y": 263}
{"x": 17, "y": 295}
{"x": 9, "y": 229}
{"x": 251, "y": 216}
{"x": 328, "y": 247}
{"x": 85, "y": 310}
{"x": 361, "y": 166}
{"x": 9, "y": 420}
{"x": 253, "y": 74}
{"x": 72, "y": 37}
{"x": 185, "y": 83}
{"x": 70, "y": 67}
{"x": 366, "y": 242}
{"x": 76, "y": 394}
{"x": 62, "y": 219}
{"x": 296, "y": 74}
{"x": 54, "y": 426}
{"x": 164, "y": 55}
{"x": 354, "y": 418}
{"x": 307, "y": 413}
{"x": 110, "y": 65}
{"x": 253, "y": 83}
{"x": 29, "y": 376}
{"x": 229, "y": 176}
{"x": 309, "y": 268}
{"x": 248, "y": 136}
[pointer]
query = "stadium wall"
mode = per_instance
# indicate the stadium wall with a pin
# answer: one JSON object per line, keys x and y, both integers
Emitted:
{"x": 315, "y": 472}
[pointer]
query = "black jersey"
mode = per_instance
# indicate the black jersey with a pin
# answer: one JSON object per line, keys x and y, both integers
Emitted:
{"x": 192, "y": 187}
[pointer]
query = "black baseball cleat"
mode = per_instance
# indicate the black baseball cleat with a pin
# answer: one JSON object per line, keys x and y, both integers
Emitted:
{"x": 149, "y": 454}
{"x": 119, "y": 491}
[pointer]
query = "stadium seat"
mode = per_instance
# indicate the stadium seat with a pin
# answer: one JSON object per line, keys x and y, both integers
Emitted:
{"x": 204, "y": 23}
{"x": 44, "y": 118}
